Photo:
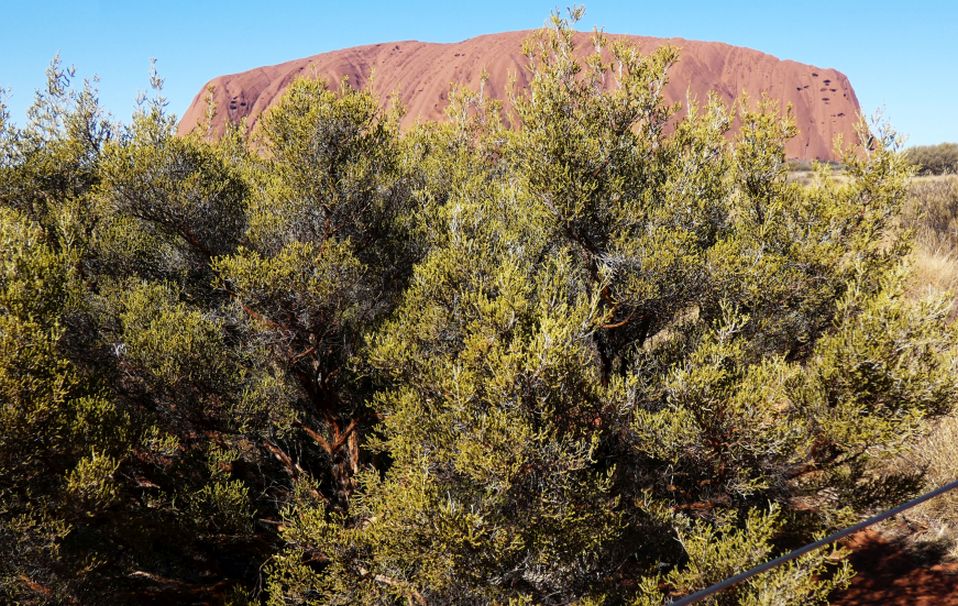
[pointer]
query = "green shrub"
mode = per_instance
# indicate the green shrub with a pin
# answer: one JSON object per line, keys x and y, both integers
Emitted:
{"x": 604, "y": 356}
{"x": 633, "y": 363}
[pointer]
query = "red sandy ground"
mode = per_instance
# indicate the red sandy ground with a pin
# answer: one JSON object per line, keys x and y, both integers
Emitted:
{"x": 889, "y": 574}
{"x": 823, "y": 102}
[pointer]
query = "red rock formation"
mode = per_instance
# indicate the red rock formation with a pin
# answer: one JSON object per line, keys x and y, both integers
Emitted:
{"x": 823, "y": 101}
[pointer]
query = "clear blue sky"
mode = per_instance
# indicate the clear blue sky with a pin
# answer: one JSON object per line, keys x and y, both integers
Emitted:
{"x": 902, "y": 56}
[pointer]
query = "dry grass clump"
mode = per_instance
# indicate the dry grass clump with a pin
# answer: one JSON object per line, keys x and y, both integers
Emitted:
{"x": 934, "y": 524}
{"x": 933, "y": 211}
{"x": 935, "y": 269}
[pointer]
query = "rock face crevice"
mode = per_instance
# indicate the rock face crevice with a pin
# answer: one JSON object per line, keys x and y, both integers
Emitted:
{"x": 822, "y": 100}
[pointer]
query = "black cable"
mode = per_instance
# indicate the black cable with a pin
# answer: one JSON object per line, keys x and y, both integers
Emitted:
{"x": 721, "y": 585}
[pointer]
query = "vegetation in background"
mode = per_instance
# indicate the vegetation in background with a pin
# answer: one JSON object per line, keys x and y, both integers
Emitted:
{"x": 941, "y": 159}
{"x": 589, "y": 359}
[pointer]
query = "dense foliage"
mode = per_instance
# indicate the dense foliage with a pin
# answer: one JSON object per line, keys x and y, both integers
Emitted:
{"x": 604, "y": 355}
